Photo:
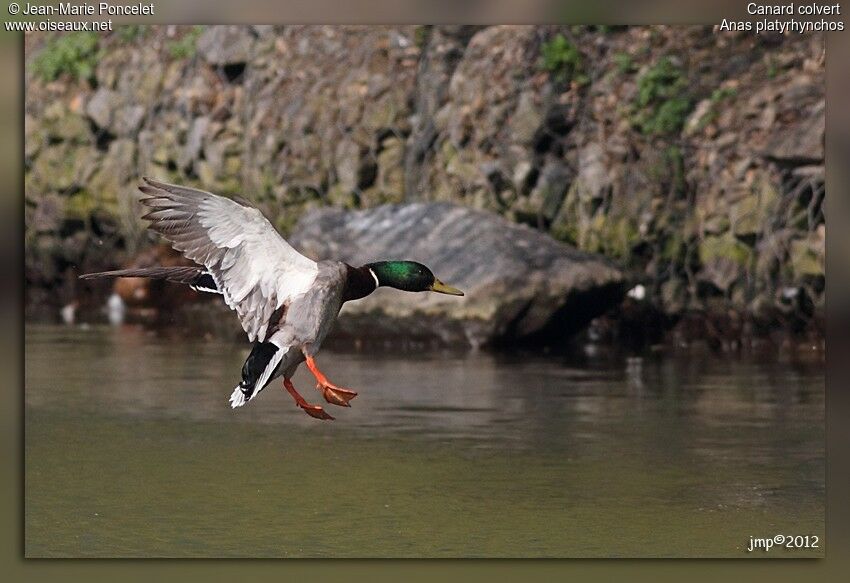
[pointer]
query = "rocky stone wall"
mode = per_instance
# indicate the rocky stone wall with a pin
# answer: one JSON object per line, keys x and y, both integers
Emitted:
{"x": 692, "y": 159}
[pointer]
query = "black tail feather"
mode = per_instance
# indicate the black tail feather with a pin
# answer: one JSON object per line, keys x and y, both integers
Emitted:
{"x": 260, "y": 357}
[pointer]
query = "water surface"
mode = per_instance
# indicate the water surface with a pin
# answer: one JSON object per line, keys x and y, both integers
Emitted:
{"x": 133, "y": 451}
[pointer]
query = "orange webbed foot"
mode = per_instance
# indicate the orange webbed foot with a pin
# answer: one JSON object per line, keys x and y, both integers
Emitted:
{"x": 332, "y": 393}
{"x": 317, "y": 412}
{"x": 314, "y": 411}
{"x": 336, "y": 395}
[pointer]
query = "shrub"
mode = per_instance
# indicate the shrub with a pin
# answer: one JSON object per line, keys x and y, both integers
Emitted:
{"x": 562, "y": 60}
{"x": 624, "y": 62}
{"x": 716, "y": 97}
{"x": 131, "y": 32}
{"x": 186, "y": 46}
{"x": 73, "y": 53}
{"x": 662, "y": 103}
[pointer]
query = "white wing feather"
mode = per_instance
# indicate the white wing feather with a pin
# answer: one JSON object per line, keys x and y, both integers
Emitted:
{"x": 253, "y": 266}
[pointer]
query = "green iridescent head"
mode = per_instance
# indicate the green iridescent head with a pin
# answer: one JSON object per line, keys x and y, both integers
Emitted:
{"x": 409, "y": 276}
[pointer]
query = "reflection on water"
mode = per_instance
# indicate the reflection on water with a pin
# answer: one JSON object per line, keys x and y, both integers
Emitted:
{"x": 132, "y": 450}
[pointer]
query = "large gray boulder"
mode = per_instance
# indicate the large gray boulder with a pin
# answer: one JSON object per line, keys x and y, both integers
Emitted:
{"x": 520, "y": 284}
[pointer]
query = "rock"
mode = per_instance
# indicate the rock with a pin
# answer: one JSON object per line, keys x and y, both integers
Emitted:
{"x": 527, "y": 118}
{"x": 34, "y": 138}
{"x": 673, "y": 296}
{"x": 109, "y": 111}
{"x": 697, "y": 119}
{"x": 745, "y": 217}
{"x": 48, "y": 214}
{"x": 109, "y": 185}
{"x": 347, "y": 162}
{"x": 140, "y": 79}
{"x": 797, "y": 134}
{"x": 61, "y": 167}
{"x": 772, "y": 251}
{"x": 63, "y": 125}
{"x": 555, "y": 179}
{"x": 724, "y": 260}
{"x": 800, "y": 142}
{"x": 101, "y": 106}
{"x": 127, "y": 120}
{"x": 520, "y": 284}
{"x": 593, "y": 174}
{"x": 521, "y": 174}
{"x": 716, "y": 224}
{"x": 390, "y": 179}
{"x": 750, "y": 215}
{"x": 226, "y": 45}
{"x": 206, "y": 172}
{"x": 194, "y": 142}
{"x": 807, "y": 257}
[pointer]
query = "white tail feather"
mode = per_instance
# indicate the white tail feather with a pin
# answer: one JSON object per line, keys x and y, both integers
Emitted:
{"x": 237, "y": 398}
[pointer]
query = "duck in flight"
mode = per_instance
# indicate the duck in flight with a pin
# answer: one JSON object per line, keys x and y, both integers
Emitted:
{"x": 285, "y": 302}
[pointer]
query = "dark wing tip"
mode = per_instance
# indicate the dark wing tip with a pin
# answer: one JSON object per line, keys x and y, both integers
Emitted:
{"x": 148, "y": 184}
{"x": 166, "y": 190}
{"x": 146, "y": 202}
{"x": 151, "y": 185}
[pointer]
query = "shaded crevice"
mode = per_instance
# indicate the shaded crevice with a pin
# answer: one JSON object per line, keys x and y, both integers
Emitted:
{"x": 234, "y": 72}
{"x": 102, "y": 137}
{"x": 579, "y": 309}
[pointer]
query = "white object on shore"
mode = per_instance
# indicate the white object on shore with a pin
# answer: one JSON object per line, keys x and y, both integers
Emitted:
{"x": 637, "y": 293}
{"x": 69, "y": 313}
{"x": 115, "y": 310}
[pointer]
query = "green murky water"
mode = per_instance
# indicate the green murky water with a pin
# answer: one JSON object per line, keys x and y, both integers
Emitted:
{"x": 132, "y": 450}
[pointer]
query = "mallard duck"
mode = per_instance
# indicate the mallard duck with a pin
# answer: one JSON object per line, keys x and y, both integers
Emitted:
{"x": 286, "y": 302}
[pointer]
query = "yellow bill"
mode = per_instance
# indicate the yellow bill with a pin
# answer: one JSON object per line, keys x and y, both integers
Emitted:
{"x": 441, "y": 288}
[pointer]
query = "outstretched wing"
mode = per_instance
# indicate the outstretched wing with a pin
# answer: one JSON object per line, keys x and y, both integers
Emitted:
{"x": 253, "y": 266}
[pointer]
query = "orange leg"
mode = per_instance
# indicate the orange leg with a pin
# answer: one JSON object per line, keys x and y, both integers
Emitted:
{"x": 332, "y": 393}
{"x": 311, "y": 410}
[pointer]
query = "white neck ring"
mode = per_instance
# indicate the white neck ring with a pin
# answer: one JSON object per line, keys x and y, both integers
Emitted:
{"x": 375, "y": 277}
